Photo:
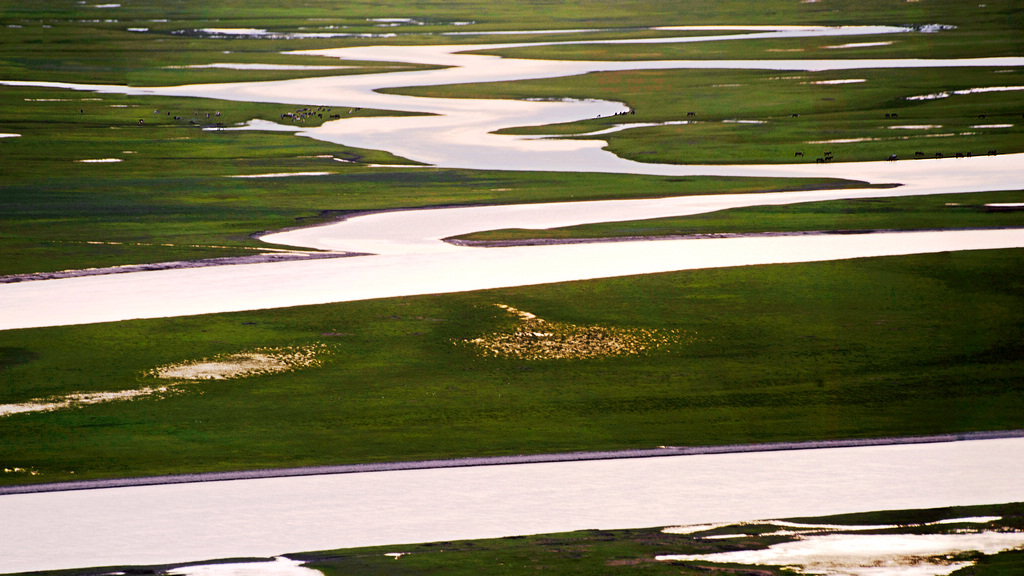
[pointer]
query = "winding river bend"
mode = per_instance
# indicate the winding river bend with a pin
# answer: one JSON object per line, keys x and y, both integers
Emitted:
{"x": 160, "y": 524}
{"x": 409, "y": 257}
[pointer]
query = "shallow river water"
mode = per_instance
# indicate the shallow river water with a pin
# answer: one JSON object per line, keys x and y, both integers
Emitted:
{"x": 457, "y": 133}
{"x": 266, "y": 517}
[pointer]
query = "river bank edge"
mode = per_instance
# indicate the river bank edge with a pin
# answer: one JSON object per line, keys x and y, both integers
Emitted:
{"x": 660, "y": 451}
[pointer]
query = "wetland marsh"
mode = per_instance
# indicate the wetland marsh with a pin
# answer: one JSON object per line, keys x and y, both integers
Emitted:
{"x": 653, "y": 121}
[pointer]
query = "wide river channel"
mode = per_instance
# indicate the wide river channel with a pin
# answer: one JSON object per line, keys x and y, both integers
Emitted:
{"x": 187, "y": 522}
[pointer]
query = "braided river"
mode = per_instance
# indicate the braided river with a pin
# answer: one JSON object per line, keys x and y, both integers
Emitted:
{"x": 405, "y": 255}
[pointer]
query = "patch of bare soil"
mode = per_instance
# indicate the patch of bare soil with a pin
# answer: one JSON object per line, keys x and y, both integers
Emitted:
{"x": 242, "y": 364}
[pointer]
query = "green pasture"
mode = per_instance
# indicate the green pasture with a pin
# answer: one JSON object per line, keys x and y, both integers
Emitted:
{"x": 939, "y": 212}
{"x": 935, "y": 30}
{"x": 765, "y": 117}
{"x": 148, "y": 42}
{"x": 849, "y": 349}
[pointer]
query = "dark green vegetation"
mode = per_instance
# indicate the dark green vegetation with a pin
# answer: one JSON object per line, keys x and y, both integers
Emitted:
{"x": 940, "y": 212}
{"x": 1003, "y": 564}
{"x": 792, "y": 113}
{"x": 633, "y": 551}
{"x": 861, "y": 348}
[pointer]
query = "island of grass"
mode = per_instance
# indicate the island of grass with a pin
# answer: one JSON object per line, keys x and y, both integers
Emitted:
{"x": 938, "y": 212}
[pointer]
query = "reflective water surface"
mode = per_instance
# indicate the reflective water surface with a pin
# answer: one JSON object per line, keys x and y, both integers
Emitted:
{"x": 270, "y": 517}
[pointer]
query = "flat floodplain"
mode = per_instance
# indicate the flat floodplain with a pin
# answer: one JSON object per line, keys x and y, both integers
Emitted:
{"x": 865, "y": 348}
{"x": 876, "y": 347}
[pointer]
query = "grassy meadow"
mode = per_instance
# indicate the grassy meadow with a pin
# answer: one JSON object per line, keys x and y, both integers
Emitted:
{"x": 881, "y": 347}
{"x": 849, "y": 349}
{"x": 857, "y": 115}
{"x": 939, "y": 212}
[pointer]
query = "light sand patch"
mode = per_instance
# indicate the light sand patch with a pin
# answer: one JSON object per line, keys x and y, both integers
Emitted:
{"x": 281, "y": 175}
{"x": 939, "y": 95}
{"x": 844, "y": 141}
{"x": 280, "y": 566}
{"x": 870, "y": 554}
{"x": 79, "y": 399}
{"x": 537, "y": 339}
{"x": 856, "y": 45}
{"x": 832, "y": 549}
{"x": 242, "y": 365}
{"x": 230, "y": 66}
{"x": 99, "y": 160}
{"x": 10, "y": 135}
{"x": 841, "y": 81}
{"x": 256, "y": 124}
{"x": 228, "y": 366}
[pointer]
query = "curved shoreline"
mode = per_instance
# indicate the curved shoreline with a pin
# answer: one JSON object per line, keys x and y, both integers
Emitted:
{"x": 704, "y": 236}
{"x": 278, "y": 256}
{"x": 660, "y": 451}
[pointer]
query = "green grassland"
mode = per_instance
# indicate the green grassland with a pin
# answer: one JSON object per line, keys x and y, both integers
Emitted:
{"x": 862, "y": 348}
{"x": 783, "y": 113}
{"x": 848, "y": 349}
{"x": 171, "y": 198}
{"x": 939, "y": 212}
{"x": 970, "y": 31}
